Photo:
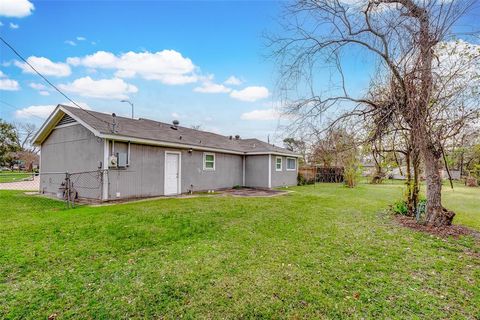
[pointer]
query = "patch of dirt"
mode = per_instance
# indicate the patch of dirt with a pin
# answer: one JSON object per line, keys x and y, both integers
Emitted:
{"x": 443, "y": 232}
{"x": 252, "y": 192}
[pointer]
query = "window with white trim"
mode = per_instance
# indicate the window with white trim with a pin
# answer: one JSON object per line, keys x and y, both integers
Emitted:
{"x": 208, "y": 161}
{"x": 278, "y": 163}
{"x": 291, "y": 164}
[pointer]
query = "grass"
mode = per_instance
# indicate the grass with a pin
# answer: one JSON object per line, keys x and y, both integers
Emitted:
{"x": 14, "y": 176}
{"x": 466, "y": 204}
{"x": 321, "y": 252}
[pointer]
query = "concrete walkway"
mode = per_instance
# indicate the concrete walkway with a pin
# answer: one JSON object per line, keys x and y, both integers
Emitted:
{"x": 22, "y": 185}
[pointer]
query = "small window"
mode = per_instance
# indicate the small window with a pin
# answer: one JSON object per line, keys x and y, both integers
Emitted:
{"x": 208, "y": 161}
{"x": 278, "y": 163}
{"x": 291, "y": 164}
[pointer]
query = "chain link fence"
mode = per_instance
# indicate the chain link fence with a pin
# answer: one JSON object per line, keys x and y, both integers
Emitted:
{"x": 17, "y": 180}
{"x": 75, "y": 187}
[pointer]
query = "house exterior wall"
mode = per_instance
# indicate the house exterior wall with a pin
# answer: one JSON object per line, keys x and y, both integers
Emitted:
{"x": 73, "y": 149}
{"x": 144, "y": 177}
{"x": 228, "y": 171}
{"x": 284, "y": 177}
{"x": 256, "y": 171}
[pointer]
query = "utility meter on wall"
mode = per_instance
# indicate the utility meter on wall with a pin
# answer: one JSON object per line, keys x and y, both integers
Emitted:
{"x": 112, "y": 161}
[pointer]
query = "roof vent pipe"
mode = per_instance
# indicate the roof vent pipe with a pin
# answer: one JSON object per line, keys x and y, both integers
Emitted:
{"x": 237, "y": 137}
{"x": 114, "y": 122}
{"x": 175, "y": 124}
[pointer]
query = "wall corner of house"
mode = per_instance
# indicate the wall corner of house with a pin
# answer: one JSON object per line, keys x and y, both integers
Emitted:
{"x": 105, "y": 169}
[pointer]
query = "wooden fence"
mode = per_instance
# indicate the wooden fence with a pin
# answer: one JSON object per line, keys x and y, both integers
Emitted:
{"x": 321, "y": 174}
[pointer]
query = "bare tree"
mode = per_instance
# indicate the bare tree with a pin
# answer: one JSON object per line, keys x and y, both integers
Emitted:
{"x": 196, "y": 126}
{"x": 26, "y": 132}
{"x": 401, "y": 36}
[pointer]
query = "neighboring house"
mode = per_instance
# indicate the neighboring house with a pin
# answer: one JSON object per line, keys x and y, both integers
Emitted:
{"x": 144, "y": 158}
{"x": 454, "y": 174}
{"x": 399, "y": 173}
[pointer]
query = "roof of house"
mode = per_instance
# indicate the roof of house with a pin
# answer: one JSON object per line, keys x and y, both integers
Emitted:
{"x": 154, "y": 132}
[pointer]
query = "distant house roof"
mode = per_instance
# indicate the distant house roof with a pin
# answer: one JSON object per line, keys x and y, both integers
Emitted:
{"x": 147, "y": 131}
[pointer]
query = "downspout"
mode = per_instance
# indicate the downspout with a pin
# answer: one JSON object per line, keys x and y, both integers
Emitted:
{"x": 40, "y": 169}
{"x": 105, "y": 170}
{"x": 128, "y": 154}
{"x": 243, "y": 176}
{"x": 269, "y": 170}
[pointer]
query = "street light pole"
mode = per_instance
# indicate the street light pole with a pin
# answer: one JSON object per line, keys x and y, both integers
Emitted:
{"x": 130, "y": 103}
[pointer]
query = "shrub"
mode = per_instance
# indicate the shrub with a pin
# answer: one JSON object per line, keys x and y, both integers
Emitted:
{"x": 352, "y": 174}
{"x": 301, "y": 181}
{"x": 420, "y": 210}
{"x": 400, "y": 207}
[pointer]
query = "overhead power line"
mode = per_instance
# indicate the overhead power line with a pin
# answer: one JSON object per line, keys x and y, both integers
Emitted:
{"x": 48, "y": 81}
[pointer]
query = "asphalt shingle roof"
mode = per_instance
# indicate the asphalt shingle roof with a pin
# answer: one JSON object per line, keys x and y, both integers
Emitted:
{"x": 163, "y": 132}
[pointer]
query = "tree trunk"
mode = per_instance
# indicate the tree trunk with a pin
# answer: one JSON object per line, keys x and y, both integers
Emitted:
{"x": 436, "y": 215}
{"x": 416, "y": 177}
{"x": 410, "y": 201}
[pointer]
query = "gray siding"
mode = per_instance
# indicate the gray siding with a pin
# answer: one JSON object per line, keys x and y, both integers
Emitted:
{"x": 284, "y": 177}
{"x": 228, "y": 171}
{"x": 256, "y": 171}
{"x": 144, "y": 177}
{"x": 73, "y": 149}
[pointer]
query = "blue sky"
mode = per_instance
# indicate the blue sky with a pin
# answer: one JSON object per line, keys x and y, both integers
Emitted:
{"x": 202, "y": 63}
{"x": 206, "y": 43}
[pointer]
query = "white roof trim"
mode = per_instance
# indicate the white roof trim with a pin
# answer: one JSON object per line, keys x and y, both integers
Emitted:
{"x": 52, "y": 120}
{"x": 166, "y": 144}
{"x": 293, "y": 155}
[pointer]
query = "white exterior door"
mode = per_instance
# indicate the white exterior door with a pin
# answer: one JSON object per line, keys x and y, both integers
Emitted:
{"x": 172, "y": 173}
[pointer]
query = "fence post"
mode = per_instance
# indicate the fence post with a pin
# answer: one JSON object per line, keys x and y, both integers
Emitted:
{"x": 67, "y": 188}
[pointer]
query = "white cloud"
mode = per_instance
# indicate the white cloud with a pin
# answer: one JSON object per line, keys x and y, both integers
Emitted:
{"x": 233, "y": 81}
{"x": 167, "y": 66}
{"x": 37, "y": 86}
{"x": 70, "y": 42}
{"x": 250, "y": 94}
{"x": 45, "y": 66}
{"x": 1, "y": 24}
{"x": 13, "y": 25}
{"x": 81, "y": 38}
{"x": 265, "y": 114}
{"x": 43, "y": 111}
{"x": 8, "y": 84}
{"x": 104, "y": 88}
{"x": 100, "y": 59}
{"x": 211, "y": 87}
{"x": 16, "y": 8}
{"x": 42, "y": 90}
{"x": 175, "y": 115}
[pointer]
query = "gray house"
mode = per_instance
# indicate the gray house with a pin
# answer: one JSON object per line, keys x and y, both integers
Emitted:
{"x": 115, "y": 157}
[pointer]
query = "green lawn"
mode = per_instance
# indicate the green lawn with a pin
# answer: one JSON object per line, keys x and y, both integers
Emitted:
{"x": 13, "y": 176}
{"x": 320, "y": 252}
{"x": 465, "y": 202}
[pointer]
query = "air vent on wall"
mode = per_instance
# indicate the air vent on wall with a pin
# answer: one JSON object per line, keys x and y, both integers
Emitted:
{"x": 66, "y": 120}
